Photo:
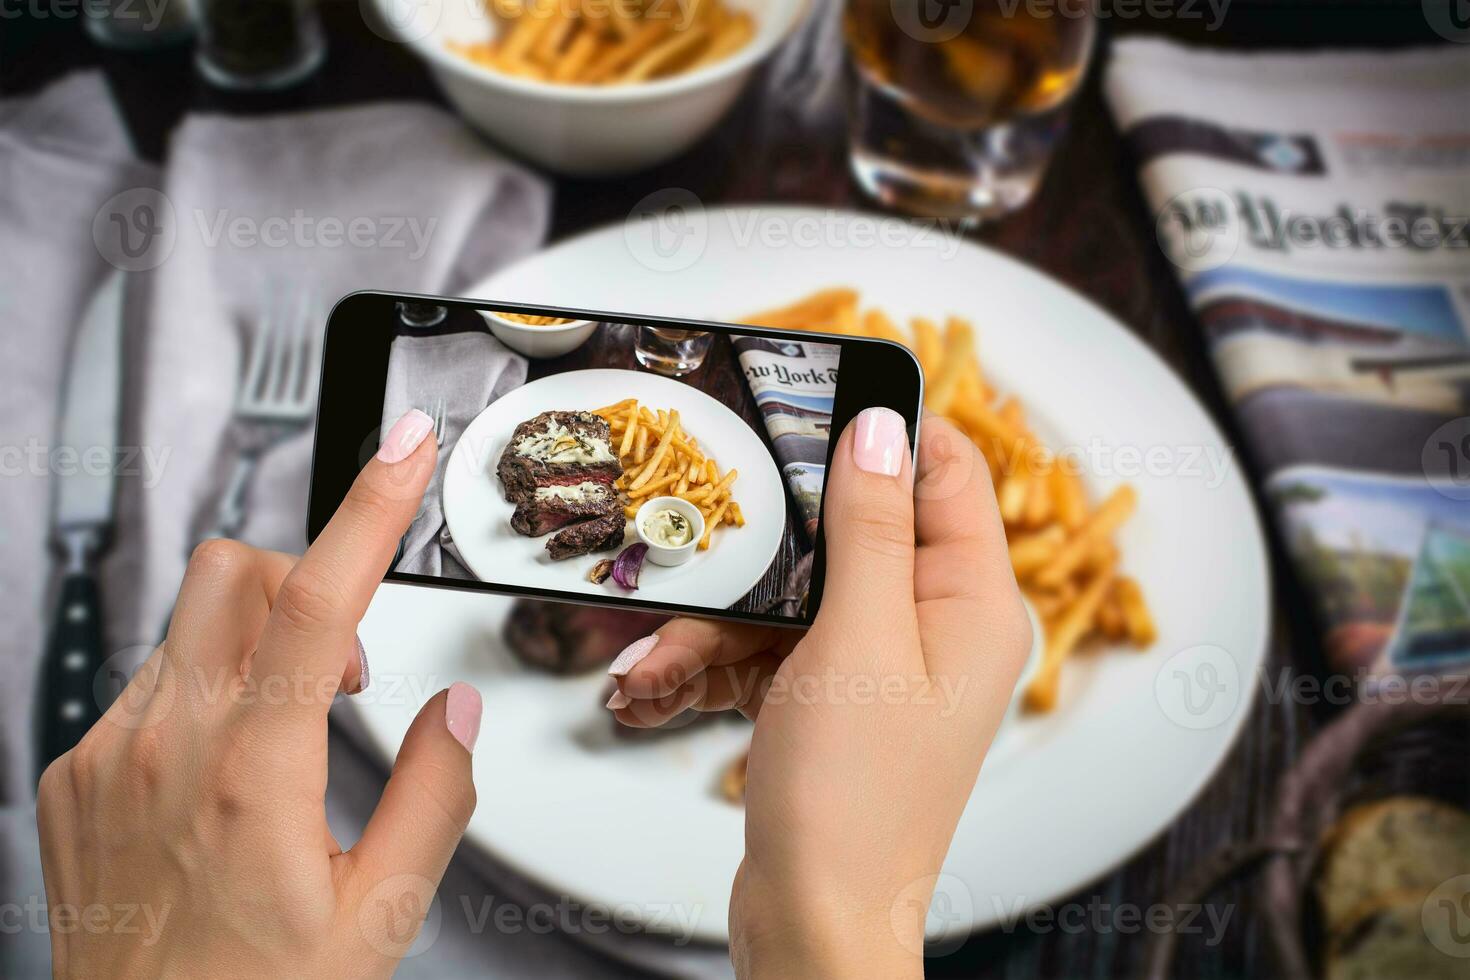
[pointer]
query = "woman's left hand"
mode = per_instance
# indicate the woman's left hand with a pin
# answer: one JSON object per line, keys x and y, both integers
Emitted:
{"x": 186, "y": 835}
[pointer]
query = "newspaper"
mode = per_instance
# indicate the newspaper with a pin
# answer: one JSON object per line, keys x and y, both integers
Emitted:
{"x": 1315, "y": 207}
{"x": 794, "y": 383}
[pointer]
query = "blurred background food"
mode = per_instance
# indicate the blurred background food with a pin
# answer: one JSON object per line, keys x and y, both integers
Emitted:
{"x": 617, "y": 43}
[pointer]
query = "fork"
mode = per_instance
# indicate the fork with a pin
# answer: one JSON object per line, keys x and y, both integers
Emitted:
{"x": 438, "y": 414}
{"x": 274, "y": 400}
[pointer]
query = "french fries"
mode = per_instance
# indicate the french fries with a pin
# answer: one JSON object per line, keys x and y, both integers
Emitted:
{"x": 607, "y": 42}
{"x": 1062, "y": 548}
{"x": 661, "y": 459}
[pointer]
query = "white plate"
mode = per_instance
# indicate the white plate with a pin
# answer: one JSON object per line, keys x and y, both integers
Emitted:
{"x": 478, "y": 514}
{"x": 1064, "y": 797}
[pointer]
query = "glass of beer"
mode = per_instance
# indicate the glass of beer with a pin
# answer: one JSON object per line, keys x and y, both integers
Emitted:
{"x": 957, "y": 104}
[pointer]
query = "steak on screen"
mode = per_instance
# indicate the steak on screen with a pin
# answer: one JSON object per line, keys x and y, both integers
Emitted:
{"x": 558, "y": 470}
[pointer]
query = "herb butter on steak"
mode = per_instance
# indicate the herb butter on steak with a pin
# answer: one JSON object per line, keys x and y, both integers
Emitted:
{"x": 557, "y": 449}
{"x": 558, "y": 470}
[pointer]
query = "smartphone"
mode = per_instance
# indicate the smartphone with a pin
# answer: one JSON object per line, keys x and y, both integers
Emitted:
{"x": 607, "y": 458}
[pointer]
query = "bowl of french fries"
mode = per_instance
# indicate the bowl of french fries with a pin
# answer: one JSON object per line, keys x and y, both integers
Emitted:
{"x": 594, "y": 87}
{"x": 538, "y": 336}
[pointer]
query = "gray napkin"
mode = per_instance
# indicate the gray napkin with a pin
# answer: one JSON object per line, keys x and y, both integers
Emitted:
{"x": 265, "y": 208}
{"x": 63, "y": 154}
{"x": 454, "y": 375}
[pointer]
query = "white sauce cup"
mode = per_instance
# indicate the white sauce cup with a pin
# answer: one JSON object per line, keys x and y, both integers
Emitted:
{"x": 661, "y": 554}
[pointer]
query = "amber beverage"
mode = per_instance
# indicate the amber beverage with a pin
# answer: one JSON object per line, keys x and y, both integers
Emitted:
{"x": 956, "y": 104}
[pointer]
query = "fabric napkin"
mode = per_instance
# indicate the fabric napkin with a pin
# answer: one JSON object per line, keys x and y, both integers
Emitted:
{"x": 262, "y": 208}
{"x": 458, "y": 373}
{"x": 63, "y": 154}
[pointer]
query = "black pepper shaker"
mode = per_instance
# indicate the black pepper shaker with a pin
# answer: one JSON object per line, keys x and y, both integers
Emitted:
{"x": 258, "y": 44}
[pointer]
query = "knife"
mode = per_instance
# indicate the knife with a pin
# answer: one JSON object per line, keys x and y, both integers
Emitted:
{"x": 88, "y": 432}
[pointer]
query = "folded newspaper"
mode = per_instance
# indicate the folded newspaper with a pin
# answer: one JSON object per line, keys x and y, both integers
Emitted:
{"x": 793, "y": 383}
{"x": 1315, "y": 205}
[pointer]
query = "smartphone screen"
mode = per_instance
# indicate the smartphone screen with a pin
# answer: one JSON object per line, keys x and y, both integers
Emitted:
{"x": 604, "y": 458}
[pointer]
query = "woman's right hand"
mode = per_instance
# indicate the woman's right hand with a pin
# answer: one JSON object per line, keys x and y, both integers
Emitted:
{"x": 870, "y": 728}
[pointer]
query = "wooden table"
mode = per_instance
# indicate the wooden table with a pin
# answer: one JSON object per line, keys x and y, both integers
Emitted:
{"x": 1088, "y": 227}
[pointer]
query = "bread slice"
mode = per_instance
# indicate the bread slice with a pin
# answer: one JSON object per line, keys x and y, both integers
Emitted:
{"x": 1399, "y": 939}
{"x": 1394, "y": 846}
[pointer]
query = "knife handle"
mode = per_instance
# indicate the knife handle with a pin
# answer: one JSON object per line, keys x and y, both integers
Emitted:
{"x": 68, "y": 704}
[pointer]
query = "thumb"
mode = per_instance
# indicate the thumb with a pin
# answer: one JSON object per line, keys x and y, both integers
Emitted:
{"x": 868, "y": 527}
{"x": 429, "y": 797}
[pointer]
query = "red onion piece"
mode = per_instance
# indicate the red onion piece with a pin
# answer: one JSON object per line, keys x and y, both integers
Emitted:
{"x": 628, "y": 564}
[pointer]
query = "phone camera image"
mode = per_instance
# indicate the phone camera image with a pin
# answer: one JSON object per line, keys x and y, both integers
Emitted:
{"x": 573, "y": 460}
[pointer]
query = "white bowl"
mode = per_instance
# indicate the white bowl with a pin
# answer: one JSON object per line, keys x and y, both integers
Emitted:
{"x": 662, "y": 554}
{"x": 539, "y": 342}
{"x": 582, "y": 130}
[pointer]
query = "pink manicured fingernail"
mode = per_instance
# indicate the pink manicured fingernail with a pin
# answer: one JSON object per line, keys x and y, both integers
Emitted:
{"x": 462, "y": 711}
{"x": 631, "y": 654}
{"x": 618, "y": 700}
{"x": 878, "y": 441}
{"x": 364, "y": 676}
{"x": 405, "y": 436}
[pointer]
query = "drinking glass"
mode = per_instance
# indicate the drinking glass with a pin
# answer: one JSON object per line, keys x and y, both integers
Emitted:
{"x": 955, "y": 105}
{"x": 258, "y": 44}
{"x": 672, "y": 352}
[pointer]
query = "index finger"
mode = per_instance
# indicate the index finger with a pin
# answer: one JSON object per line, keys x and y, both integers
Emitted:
{"x": 323, "y": 598}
